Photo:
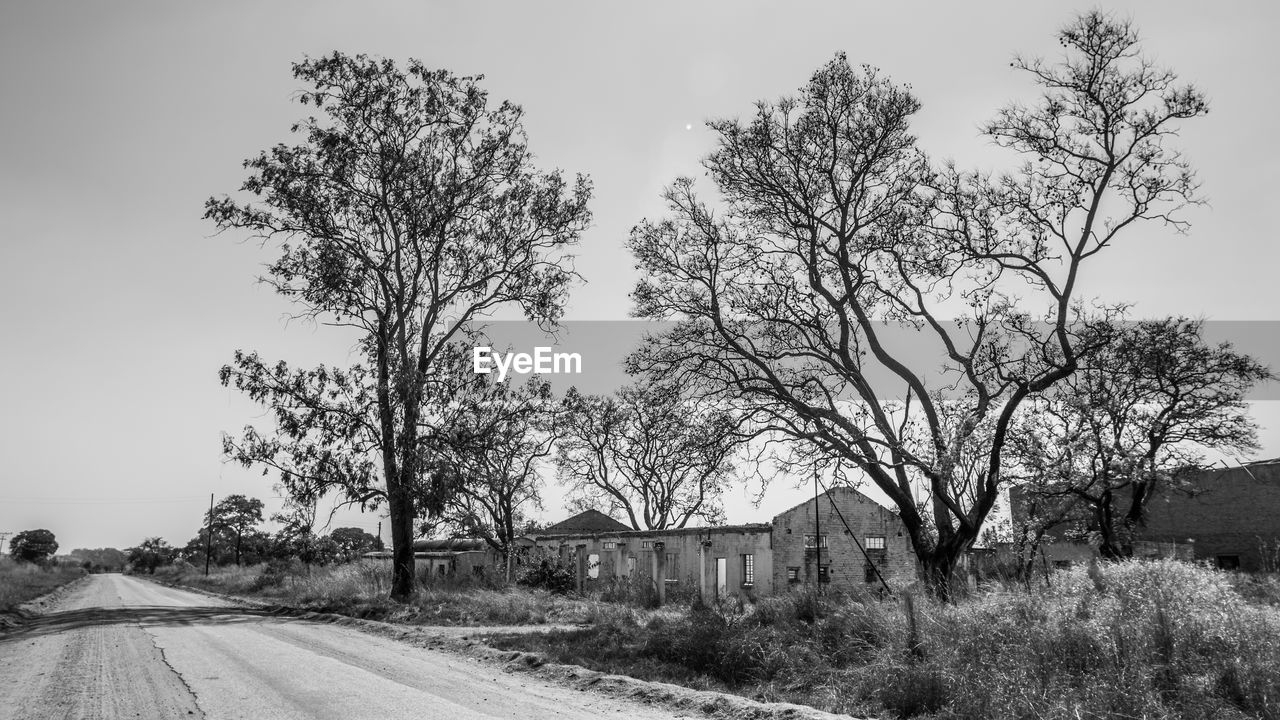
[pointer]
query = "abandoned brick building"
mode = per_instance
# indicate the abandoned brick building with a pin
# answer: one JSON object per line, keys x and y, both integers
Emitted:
{"x": 1229, "y": 517}
{"x": 842, "y": 539}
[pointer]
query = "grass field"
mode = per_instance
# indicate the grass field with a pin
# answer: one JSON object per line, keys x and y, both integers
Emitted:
{"x": 360, "y": 589}
{"x": 1143, "y": 640}
{"x": 21, "y": 582}
{"x": 1135, "y": 640}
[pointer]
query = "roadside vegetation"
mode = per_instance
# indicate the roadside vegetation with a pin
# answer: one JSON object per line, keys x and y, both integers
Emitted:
{"x": 1133, "y": 640}
{"x": 21, "y": 582}
{"x": 360, "y": 589}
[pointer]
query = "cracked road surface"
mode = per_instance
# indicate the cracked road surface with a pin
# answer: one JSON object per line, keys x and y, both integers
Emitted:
{"x": 120, "y": 647}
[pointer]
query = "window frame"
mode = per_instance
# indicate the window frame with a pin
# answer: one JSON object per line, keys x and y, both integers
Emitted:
{"x": 823, "y": 541}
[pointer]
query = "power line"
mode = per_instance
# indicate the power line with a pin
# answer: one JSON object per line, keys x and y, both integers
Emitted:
{"x": 99, "y": 501}
{"x": 871, "y": 563}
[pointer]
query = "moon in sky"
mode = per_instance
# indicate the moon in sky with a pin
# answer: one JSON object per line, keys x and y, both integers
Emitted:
{"x": 688, "y": 127}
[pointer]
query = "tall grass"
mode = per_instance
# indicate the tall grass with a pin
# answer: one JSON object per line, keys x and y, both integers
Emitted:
{"x": 22, "y": 582}
{"x": 1145, "y": 640}
{"x": 360, "y": 589}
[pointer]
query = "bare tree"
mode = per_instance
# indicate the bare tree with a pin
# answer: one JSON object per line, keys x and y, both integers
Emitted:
{"x": 489, "y": 446}
{"x": 649, "y": 454}
{"x": 832, "y": 223}
{"x": 1136, "y": 419}
{"x": 410, "y": 208}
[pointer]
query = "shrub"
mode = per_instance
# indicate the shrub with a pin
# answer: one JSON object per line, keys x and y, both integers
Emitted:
{"x": 549, "y": 575}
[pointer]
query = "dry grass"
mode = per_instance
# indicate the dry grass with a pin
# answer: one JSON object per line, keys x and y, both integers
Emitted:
{"x": 1141, "y": 640}
{"x": 1149, "y": 640}
{"x": 359, "y": 589}
{"x": 22, "y": 582}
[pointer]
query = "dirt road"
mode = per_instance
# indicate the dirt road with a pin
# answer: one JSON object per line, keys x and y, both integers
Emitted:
{"x": 119, "y": 647}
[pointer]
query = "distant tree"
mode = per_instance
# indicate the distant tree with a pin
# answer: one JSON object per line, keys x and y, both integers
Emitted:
{"x": 1137, "y": 419}
{"x": 101, "y": 559}
{"x": 352, "y": 542}
{"x": 254, "y": 546}
{"x": 236, "y": 514}
{"x": 36, "y": 546}
{"x": 150, "y": 554}
{"x": 831, "y": 222}
{"x": 411, "y": 208}
{"x": 489, "y": 445}
{"x": 649, "y": 454}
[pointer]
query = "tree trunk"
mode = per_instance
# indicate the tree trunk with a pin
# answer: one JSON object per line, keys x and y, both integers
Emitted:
{"x": 401, "y": 519}
{"x": 937, "y": 570}
{"x": 237, "y": 547}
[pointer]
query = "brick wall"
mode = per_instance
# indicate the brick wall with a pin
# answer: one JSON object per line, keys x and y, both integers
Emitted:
{"x": 845, "y": 564}
{"x": 1234, "y": 513}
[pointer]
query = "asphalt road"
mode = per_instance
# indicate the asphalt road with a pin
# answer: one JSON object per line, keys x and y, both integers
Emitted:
{"x": 120, "y": 647}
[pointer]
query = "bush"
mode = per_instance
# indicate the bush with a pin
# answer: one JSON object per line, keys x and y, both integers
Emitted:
{"x": 1148, "y": 639}
{"x": 637, "y": 591}
{"x": 22, "y": 582}
{"x": 549, "y": 575}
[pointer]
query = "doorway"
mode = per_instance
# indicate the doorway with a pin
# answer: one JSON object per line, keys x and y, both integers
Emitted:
{"x": 722, "y": 581}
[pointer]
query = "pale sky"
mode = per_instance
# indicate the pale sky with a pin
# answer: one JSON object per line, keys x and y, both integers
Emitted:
{"x": 117, "y": 121}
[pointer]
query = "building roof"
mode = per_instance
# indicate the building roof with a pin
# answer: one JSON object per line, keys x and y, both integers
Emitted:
{"x": 829, "y": 491}
{"x": 669, "y": 532}
{"x": 587, "y": 521}
{"x": 450, "y": 544}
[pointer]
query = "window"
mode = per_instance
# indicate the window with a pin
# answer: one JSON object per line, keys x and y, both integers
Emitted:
{"x": 875, "y": 542}
{"x": 793, "y": 574}
{"x": 813, "y": 541}
{"x": 1228, "y": 562}
{"x": 593, "y": 566}
{"x": 610, "y": 545}
{"x": 673, "y": 571}
{"x": 644, "y": 543}
{"x": 748, "y": 569}
{"x": 824, "y": 573}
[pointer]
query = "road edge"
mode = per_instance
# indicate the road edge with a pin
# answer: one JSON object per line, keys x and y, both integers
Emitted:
{"x": 678, "y": 698}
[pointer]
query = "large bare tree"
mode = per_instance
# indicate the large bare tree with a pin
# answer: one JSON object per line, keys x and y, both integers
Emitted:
{"x": 832, "y": 229}
{"x": 410, "y": 207}
{"x": 648, "y": 453}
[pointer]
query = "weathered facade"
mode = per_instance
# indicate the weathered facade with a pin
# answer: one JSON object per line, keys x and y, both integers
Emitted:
{"x": 1231, "y": 518}
{"x": 723, "y": 562}
{"x": 841, "y": 539}
{"x": 850, "y": 542}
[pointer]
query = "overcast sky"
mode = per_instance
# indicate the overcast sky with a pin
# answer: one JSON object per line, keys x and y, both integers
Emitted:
{"x": 117, "y": 121}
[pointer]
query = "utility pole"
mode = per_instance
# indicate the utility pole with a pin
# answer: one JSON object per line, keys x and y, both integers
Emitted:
{"x": 208, "y": 537}
{"x": 817, "y": 532}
